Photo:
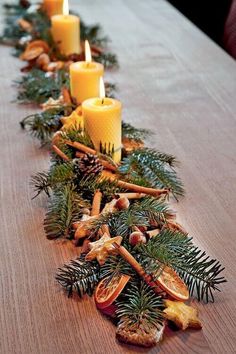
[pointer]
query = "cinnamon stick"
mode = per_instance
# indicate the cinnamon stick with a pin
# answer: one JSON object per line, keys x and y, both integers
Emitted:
{"x": 60, "y": 153}
{"x": 136, "y": 266}
{"x": 81, "y": 147}
{"x": 66, "y": 95}
{"x": 132, "y": 195}
{"x": 96, "y": 205}
{"x": 134, "y": 187}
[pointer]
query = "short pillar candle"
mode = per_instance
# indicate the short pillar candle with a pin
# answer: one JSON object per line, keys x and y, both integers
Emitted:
{"x": 66, "y": 31}
{"x": 84, "y": 77}
{"x": 102, "y": 122}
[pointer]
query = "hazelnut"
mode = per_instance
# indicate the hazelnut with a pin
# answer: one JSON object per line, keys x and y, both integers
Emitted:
{"x": 85, "y": 211}
{"x": 141, "y": 228}
{"x": 50, "y": 67}
{"x": 122, "y": 203}
{"x": 137, "y": 237}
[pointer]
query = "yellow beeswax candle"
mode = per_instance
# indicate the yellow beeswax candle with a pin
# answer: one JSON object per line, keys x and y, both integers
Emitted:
{"x": 53, "y": 7}
{"x": 84, "y": 77}
{"x": 102, "y": 122}
{"x": 66, "y": 31}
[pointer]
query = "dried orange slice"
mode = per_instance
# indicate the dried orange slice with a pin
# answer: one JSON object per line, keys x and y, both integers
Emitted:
{"x": 32, "y": 53}
{"x": 38, "y": 43}
{"x": 108, "y": 290}
{"x": 172, "y": 284}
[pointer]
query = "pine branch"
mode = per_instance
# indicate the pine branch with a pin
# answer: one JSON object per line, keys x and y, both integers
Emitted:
{"x": 87, "y": 187}
{"x": 152, "y": 169}
{"x": 153, "y": 210}
{"x": 64, "y": 208}
{"x": 140, "y": 308}
{"x": 42, "y": 125}
{"x": 139, "y": 214}
{"x": 79, "y": 276}
{"x": 37, "y": 86}
{"x": 109, "y": 60}
{"x": 200, "y": 273}
{"x": 93, "y": 33}
{"x": 138, "y": 134}
{"x": 116, "y": 265}
{"x": 74, "y": 134}
{"x": 58, "y": 175}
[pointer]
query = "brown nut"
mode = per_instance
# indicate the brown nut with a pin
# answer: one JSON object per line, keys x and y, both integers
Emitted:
{"x": 50, "y": 67}
{"x": 85, "y": 211}
{"x": 53, "y": 66}
{"x": 122, "y": 203}
{"x": 137, "y": 237}
{"x": 43, "y": 60}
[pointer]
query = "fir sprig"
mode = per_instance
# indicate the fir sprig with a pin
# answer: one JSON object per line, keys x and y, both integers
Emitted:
{"x": 79, "y": 276}
{"x": 142, "y": 213}
{"x": 59, "y": 174}
{"x": 152, "y": 168}
{"x": 115, "y": 266}
{"x": 130, "y": 132}
{"x": 43, "y": 124}
{"x": 64, "y": 208}
{"x": 175, "y": 249}
{"x": 140, "y": 308}
{"x": 37, "y": 86}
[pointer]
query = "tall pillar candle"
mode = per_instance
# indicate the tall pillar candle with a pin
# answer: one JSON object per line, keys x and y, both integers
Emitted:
{"x": 53, "y": 7}
{"x": 66, "y": 31}
{"x": 102, "y": 122}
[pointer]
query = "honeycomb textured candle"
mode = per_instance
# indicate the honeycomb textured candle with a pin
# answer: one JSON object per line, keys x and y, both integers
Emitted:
{"x": 66, "y": 33}
{"x": 53, "y": 7}
{"x": 102, "y": 121}
{"x": 84, "y": 80}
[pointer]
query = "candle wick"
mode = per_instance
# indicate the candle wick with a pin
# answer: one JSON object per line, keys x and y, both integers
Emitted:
{"x": 102, "y": 100}
{"x": 88, "y": 64}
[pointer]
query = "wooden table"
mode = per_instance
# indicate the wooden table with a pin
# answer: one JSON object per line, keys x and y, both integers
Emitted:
{"x": 174, "y": 80}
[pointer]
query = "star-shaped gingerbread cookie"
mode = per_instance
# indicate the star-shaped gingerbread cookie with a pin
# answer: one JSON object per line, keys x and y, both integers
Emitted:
{"x": 74, "y": 120}
{"x": 182, "y": 315}
{"x": 102, "y": 248}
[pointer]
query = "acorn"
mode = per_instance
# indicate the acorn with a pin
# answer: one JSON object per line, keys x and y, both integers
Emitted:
{"x": 137, "y": 237}
{"x": 122, "y": 203}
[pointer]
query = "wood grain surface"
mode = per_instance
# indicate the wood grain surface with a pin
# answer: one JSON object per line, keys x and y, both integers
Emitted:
{"x": 175, "y": 81}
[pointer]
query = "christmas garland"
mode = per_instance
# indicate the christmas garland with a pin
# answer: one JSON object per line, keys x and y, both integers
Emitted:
{"x": 137, "y": 261}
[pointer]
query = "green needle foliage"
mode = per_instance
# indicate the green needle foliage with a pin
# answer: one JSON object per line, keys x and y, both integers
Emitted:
{"x": 138, "y": 134}
{"x": 37, "y": 86}
{"x": 109, "y": 60}
{"x": 115, "y": 266}
{"x": 42, "y": 125}
{"x": 142, "y": 213}
{"x": 59, "y": 175}
{"x": 151, "y": 168}
{"x": 199, "y": 272}
{"x": 140, "y": 308}
{"x": 79, "y": 276}
{"x": 64, "y": 208}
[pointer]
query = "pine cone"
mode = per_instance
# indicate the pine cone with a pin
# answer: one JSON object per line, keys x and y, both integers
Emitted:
{"x": 87, "y": 165}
